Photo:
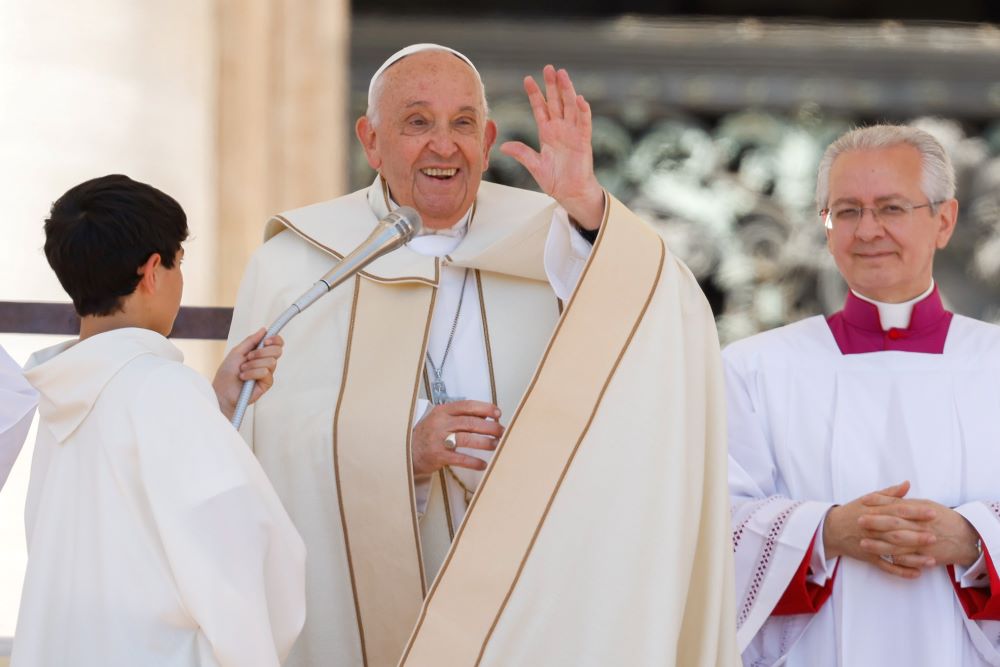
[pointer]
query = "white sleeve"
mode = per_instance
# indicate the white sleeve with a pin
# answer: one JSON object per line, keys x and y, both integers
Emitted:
{"x": 985, "y": 518}
{"x": 238, "y": 561}
{"x": 566, "y": 253}
{"x": 17, "y": 407}
{"x": 771, "y": 532}
{"x": 820, "y": 567}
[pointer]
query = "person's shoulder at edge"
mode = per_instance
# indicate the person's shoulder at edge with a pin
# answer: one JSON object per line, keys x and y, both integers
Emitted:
{"x": 281, "y": 242}
{"x": 173, "y": 382}
{"x": 490, "y": 191}
{"x": 355, "y": 196}
{"x": 782, "y": 341}
{"x": 970, "y": 333}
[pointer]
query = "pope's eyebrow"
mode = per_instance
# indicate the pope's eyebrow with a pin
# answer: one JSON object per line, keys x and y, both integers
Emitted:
{"x": 423, "y": 103}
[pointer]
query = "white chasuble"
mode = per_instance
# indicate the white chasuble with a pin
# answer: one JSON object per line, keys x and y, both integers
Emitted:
{"x": 600, "y": 534}
{"x": 810, "y": 427}
{"x": 334, "y": 435}
{"x": 154, "y": 537}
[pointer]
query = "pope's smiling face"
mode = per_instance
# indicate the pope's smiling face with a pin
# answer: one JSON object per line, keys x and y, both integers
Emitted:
{"x": 886, "y": 260}
{"x": 430, "y": 138}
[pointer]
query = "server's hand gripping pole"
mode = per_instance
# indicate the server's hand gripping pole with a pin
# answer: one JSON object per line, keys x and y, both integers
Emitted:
{"x": 392, "y": 231}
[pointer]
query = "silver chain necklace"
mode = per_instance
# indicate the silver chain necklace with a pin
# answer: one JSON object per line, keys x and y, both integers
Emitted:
{"x": 439, "y": 392}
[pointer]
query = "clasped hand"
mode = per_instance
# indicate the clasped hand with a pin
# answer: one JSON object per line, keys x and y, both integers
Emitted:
{"x": 915, "y": 533}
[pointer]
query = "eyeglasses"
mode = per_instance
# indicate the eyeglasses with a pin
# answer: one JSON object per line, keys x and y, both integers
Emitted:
{"x": 848, "y": 216}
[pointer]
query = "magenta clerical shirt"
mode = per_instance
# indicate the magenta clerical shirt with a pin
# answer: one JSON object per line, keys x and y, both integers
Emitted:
{"x": 857, "y": 328}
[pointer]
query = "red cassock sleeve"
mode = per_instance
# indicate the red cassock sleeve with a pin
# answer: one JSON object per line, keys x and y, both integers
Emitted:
{"x": 980, "y": 604}
{"x": 802, "y": 596}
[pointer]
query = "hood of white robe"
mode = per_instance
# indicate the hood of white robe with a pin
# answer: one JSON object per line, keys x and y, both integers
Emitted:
{"x": 506, "y": 233}
{"x": 70, "y": 377}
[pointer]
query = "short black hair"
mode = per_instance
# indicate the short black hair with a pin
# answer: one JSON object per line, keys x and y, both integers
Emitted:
{"x": 100, "y": 232}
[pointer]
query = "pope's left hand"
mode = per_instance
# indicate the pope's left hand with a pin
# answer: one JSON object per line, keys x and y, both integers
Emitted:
{"x": 245, "y": 362}
{"x": 564, "y": 169}
{"x": 891, "y": 531}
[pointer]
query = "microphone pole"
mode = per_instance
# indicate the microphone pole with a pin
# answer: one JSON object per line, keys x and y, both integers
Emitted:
{"x": 390, "y": 233}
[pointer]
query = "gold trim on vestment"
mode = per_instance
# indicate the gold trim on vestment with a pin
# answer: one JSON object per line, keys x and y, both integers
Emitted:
{"x": 449, "y": 519}
{"x": 486, "y": 336}
{"x": 330, "y": 251}
{"x": 444, "y": 484}
{"x": 421, "y": 371}
{"x": 517, "y": 492}
{"x": 336, "y": 469}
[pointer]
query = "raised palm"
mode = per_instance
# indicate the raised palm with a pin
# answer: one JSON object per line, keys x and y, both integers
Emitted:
{"x": 564, "y": 167}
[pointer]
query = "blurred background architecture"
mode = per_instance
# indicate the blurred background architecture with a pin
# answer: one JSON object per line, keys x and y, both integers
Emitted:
{"x": 713, "y": 127}
{"x": 710, "y": 117}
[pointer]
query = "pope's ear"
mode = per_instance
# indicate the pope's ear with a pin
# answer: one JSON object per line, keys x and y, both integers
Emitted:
{"x": 365, "y": 130}
{"x": 489, "y": 139}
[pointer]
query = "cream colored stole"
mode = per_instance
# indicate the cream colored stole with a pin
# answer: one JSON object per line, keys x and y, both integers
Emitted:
{"x": 374, "y": 483}
{"x": 392, "y": 557}
{"x": 507, "y": 513}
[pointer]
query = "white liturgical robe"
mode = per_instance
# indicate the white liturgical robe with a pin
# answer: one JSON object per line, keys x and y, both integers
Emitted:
{"x": 154, "y": 537}
{"x": 466, "y": 371}
{"x": 810, "y": 427}
{"x": 435, "y": 578}
{"x": 17, "y": 407}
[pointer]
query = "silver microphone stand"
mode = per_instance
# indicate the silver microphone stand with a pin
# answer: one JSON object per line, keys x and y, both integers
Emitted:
{"x": 391, "y": 232}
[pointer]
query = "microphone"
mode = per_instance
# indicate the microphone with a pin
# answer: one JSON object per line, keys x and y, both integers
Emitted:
{"x": 391, "y": 232}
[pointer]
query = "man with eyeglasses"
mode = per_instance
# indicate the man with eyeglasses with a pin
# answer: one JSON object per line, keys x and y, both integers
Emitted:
{"x": 863, "y": 446}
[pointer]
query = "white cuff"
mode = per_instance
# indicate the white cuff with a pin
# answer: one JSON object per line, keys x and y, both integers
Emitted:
{"x": 566, "y": 253}
{"x": 820, "y": 569}
{"x": 976, "y": 575}
{"x": 986, "y": 523}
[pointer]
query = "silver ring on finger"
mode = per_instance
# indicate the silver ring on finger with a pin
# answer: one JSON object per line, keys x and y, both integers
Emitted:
{"x": 888, "y": 559}
{"x": 450, "y": 443}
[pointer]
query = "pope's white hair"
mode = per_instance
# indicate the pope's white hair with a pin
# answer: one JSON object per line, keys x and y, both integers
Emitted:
{"x": 378, "y": 81}
{"x": 938, "y": 174}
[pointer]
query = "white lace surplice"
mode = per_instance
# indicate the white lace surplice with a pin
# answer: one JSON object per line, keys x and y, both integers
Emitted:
{"x": 810, "y": 427}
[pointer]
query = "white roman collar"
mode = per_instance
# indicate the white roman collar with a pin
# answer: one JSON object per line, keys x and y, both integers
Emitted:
{"x": 438, "y": 242}
{"x": 896, "y": 315}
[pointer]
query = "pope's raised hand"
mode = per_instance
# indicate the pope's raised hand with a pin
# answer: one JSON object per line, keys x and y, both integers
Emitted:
{"x": 564, "y": 167}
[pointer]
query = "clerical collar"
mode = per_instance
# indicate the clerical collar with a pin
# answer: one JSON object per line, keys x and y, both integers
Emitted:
{"x": 896, "y": 315}
{"x": 861, "y": 326}
{"x": 438, "y": 242}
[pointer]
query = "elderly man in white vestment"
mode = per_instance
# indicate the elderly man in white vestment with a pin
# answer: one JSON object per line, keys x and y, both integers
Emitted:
{"x": 154, "y": 537}
{"x": 17, "y": 407}
{"x": 863, "y": 446}
{"x": 598, "y": 533}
